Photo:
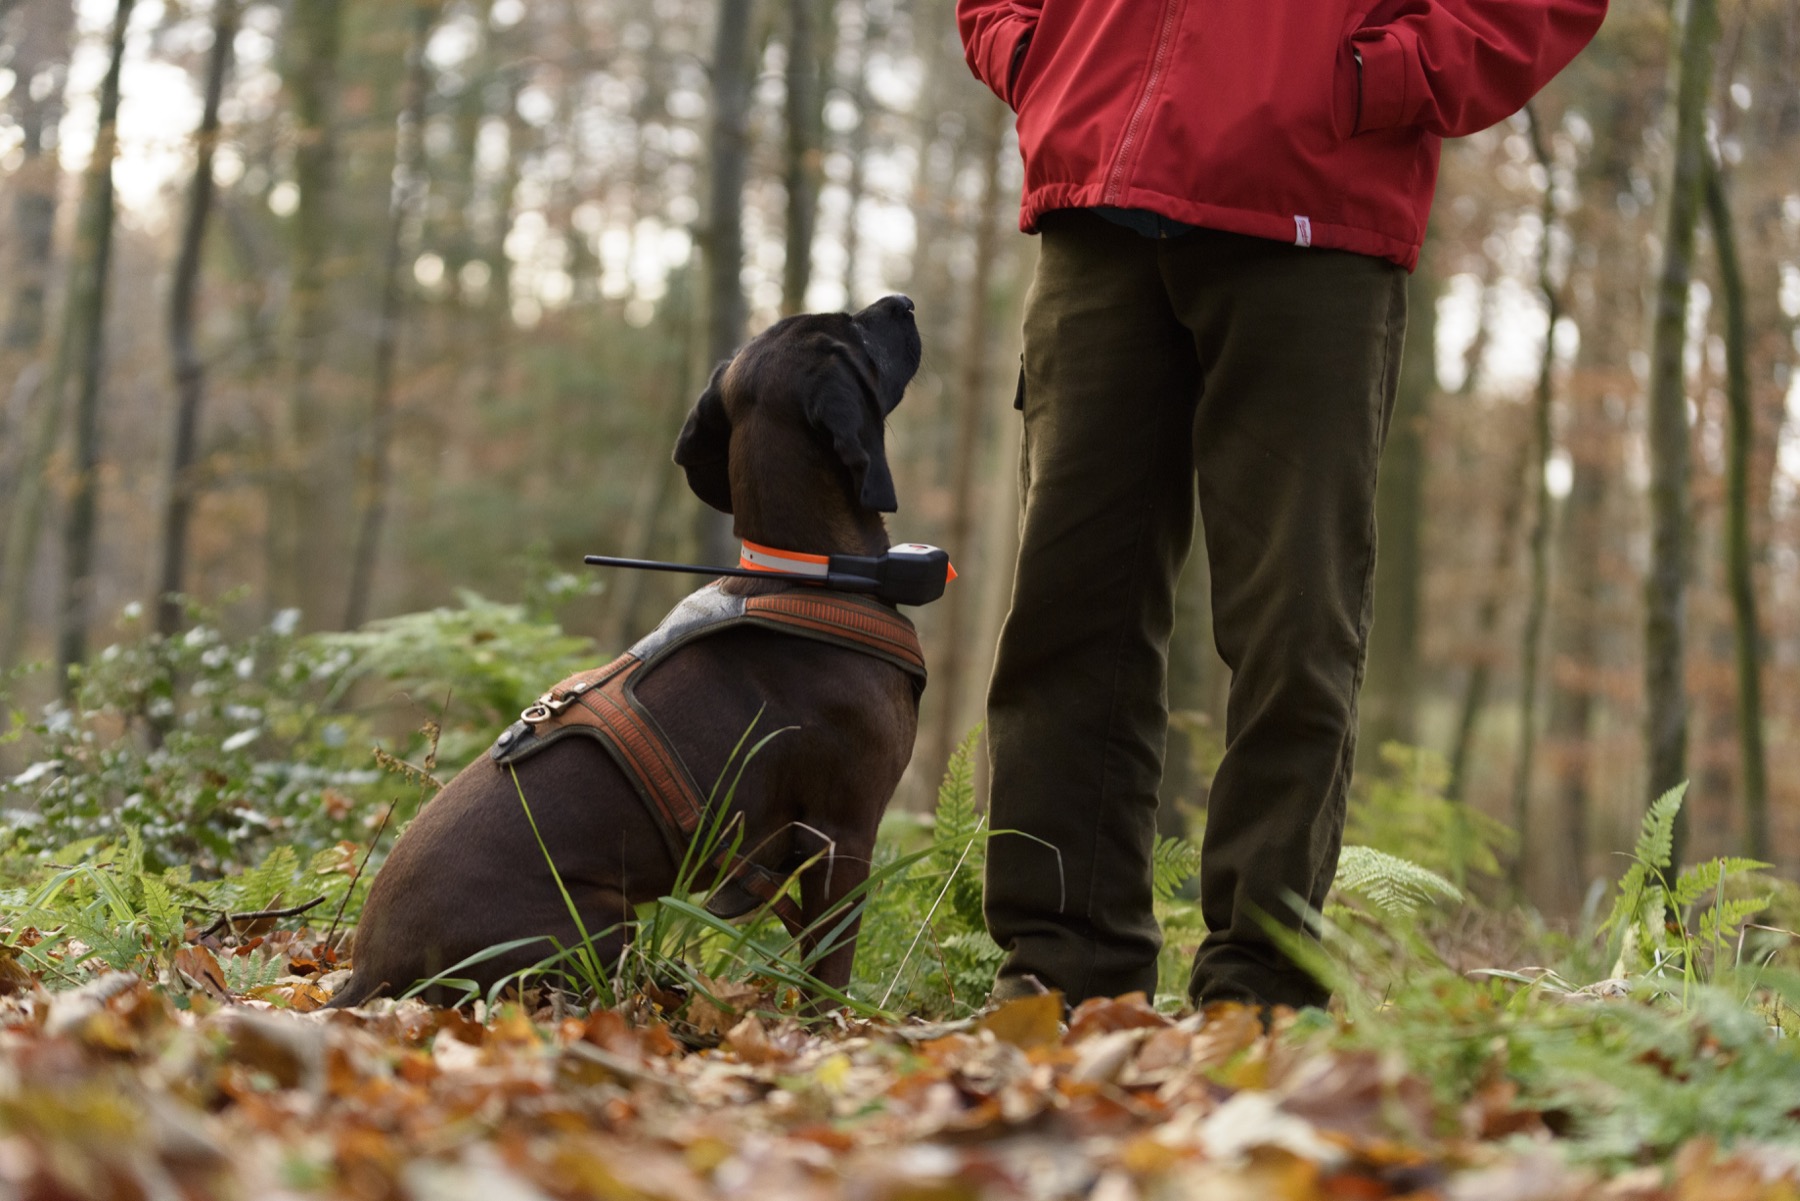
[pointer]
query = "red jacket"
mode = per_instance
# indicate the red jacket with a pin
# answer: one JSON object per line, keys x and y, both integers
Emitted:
{"x": 1312, "y": 121}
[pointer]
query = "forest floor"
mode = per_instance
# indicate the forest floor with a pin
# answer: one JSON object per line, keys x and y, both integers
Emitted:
{"x": 178, "y": 1086}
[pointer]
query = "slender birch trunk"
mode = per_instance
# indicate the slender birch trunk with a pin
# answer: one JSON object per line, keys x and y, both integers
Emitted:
{"x": 1747, "y": 635}
{"x": 376, "y": 467}
{"x": 1665, "y": 589}
{"x": 295, "y": 562}
{"x": 84, "y": 336}
{"x": 181, "y": 483}
{"x": 976, "y": 398}
{"x": 1531, "y": 647}
{"x": 805, "y": 137}
{"x": 723, "y": 246}
{"x": 1487, "y": 623}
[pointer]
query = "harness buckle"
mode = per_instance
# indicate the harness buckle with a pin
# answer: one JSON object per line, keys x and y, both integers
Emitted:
{"x": 552, "y": 703}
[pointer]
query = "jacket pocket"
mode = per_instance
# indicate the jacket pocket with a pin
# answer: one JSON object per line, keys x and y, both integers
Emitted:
{"x": 1381, "y": 92}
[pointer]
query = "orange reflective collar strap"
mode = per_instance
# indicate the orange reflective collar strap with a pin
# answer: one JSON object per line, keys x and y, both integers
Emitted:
{"x": 755, "y": 557}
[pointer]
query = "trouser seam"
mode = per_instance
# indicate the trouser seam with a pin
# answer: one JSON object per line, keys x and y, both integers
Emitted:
{"x": 1347, "y": 757}
{"x": 1133, "y": 614}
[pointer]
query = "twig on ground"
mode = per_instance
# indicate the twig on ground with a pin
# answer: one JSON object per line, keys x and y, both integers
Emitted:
{"x": 232, "y": 919}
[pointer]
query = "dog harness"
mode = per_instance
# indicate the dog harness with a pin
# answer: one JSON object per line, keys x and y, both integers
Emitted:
{"x": 602, "y": 703}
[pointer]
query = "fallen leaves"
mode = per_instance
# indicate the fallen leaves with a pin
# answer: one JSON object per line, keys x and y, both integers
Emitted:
{"x": 118, "y": 1089}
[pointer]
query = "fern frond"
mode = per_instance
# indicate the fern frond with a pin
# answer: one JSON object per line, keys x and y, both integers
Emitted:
{"x": 261, "y": 885}
{"x": 1702, "y": 878}
{"x": 1396, "y": 886}
{"x": 1656, "y": 840}
{"x": 161, "y": 911}
{"x": 1630, "y": 902}
{"x": 247, "y": 973}
{"x": 1174, "y": 862}
{"x": 1720, "y": 923}
{"x": 956, "y": 818}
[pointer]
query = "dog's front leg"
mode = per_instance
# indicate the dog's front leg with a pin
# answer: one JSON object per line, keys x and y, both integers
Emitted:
{"x": 838, "y": 868}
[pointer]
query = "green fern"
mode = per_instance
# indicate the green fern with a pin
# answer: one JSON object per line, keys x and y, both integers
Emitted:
{"x": 1693, "y": 910}
{"x": 247, "y": 973}
{"x": 268, "y": 881}
{"x": 162, "y": 914}
{"x": 1173, "y": 862}
{"x": 1637, "y": 911}
{"x": 955, "y": 817}
{"x": 1397, "y": 887}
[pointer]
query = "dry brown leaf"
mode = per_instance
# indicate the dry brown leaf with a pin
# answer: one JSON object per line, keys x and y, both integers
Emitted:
{"x": 13, "y": 976}
{"x": 1363, "y": 1095}
{"x": 197, "y": 966}
{"x": 1229, "y": 1030}
{"x": 1101, "y": 1015}
{"x": 1027, "y": 1022}
{"x": 289, "y": 1050}
{"x": 750, "y": 1041}
{"x": 1102, "y": 1057}
{"x": 304, "y": 996}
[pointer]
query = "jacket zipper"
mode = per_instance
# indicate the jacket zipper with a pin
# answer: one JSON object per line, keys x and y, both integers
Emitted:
{"x": 1115, "y": 184}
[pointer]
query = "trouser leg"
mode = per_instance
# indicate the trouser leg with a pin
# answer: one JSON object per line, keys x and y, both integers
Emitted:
{"x": 1077, "y": 711}
{"x": 1300, "y": 353}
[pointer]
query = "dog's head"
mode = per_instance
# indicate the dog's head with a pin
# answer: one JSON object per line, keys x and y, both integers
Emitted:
{"x": 815, "y": 386}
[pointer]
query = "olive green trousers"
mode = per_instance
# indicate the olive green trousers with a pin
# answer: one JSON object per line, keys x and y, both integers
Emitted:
{"x": 1250, "y": 381}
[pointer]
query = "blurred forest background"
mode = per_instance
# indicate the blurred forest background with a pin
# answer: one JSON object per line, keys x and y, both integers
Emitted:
{"x": 345, "y": 305}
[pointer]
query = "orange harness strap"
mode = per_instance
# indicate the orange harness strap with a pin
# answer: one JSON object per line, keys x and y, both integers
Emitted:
{"x": 602, "y": 703}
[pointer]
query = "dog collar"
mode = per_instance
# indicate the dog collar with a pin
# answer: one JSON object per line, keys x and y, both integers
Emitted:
{"x": 755, "y": 557}
{"x": 908, "y": 574}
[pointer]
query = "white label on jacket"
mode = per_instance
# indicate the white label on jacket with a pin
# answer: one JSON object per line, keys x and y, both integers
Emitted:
{"x": 1303, "y": 231}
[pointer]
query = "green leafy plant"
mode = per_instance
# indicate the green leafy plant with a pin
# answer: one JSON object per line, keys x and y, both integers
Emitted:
{"x": 482, "y": 660}
{"x": 1396, "y": 887}
{"x": 1405, "y": 812}
{"x": 209, "y": 749}
{"x": 924, "y": 946}
{"x": 104, "y": 904}
{"x": 1685, "y": 928}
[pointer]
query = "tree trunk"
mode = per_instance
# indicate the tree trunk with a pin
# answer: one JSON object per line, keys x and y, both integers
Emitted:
{"x": 299, "y": 570}
{"x": 1487, "y": 623}
{"x": 1391, "y": 691}
{"x": 805, "y": 137}
{"x": 724, "y": 239}
{"x": 857, "y": 148}
{"x": 180, "y": 484}
{"x": 376, "y": 467}
{"x": 40, "y": 48}
{"x": 84, "y": 335}
{"x": 1665, "y": 694}
{"x": 959, "y": 603}
{"x": 1569, "y": 723}
{"x": 45, "y": 28}
{"x": 1739, "y": 580}
{"x": 1538, "y": 539}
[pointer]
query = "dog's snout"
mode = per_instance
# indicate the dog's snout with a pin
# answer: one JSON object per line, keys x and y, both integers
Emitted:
{"x": 891, "y": 308}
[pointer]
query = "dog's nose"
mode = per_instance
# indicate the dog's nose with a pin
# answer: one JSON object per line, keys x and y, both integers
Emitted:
{"x": 899, "y": 301}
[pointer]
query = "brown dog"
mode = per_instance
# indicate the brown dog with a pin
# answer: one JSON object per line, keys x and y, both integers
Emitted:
{"x": 788, "y": 439}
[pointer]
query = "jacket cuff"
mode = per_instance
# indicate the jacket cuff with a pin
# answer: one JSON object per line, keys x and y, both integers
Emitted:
{"x": 1383, "y": 103}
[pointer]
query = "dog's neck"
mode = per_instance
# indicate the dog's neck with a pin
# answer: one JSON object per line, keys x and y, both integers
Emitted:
{"x": 817, "y": 534}
{"x": 787, "y": 514}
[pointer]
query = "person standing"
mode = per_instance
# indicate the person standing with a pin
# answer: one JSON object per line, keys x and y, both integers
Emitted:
{"x": 1230, "y": 196}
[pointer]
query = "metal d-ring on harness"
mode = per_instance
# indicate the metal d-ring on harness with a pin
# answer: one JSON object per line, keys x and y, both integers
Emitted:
{"x": 602, "y": 703}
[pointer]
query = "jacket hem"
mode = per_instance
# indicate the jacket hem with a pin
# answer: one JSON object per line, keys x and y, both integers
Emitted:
{"x": 1294, "y": 229}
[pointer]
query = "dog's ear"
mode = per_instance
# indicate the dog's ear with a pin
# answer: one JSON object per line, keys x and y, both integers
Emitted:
{"x": 841, "y": 402}
{"x": 704, "y": 448}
